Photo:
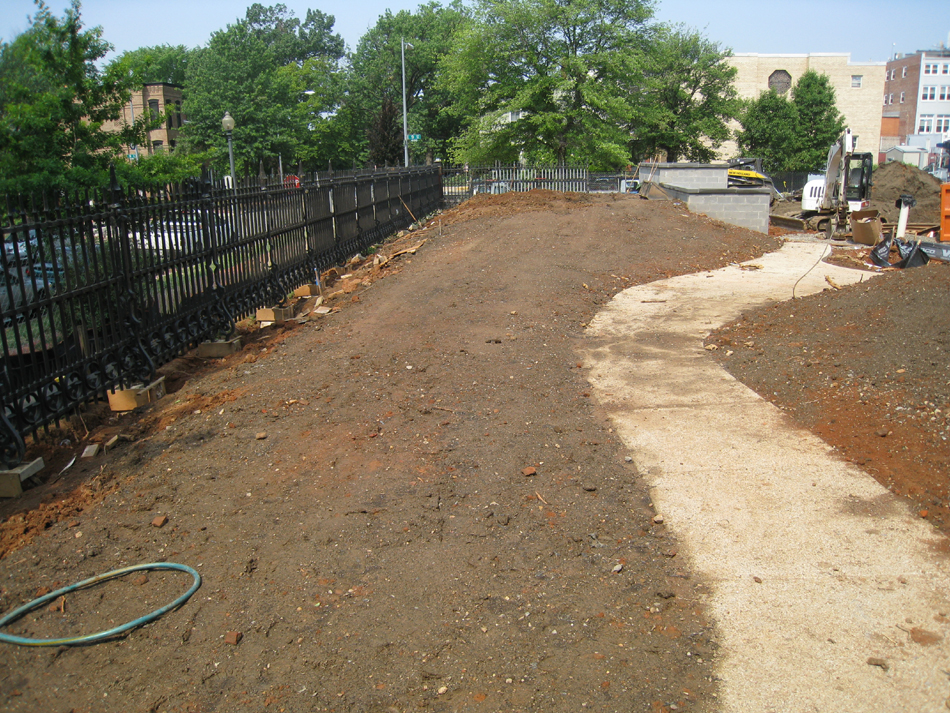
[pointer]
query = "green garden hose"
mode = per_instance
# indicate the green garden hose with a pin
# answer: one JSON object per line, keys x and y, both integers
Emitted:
{"x": 99, "y": 636}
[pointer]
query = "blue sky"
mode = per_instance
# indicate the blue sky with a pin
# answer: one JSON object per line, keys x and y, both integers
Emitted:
{"x": 869, "y": 29}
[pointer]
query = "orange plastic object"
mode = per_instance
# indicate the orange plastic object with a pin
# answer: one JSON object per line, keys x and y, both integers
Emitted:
{"x": 945, "y": 212}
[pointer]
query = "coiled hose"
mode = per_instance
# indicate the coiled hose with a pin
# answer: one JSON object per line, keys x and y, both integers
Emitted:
{"x": 98, "y": 636}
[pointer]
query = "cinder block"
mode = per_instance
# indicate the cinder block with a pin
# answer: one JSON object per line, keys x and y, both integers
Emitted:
{"x": 219, "y": 349}
{"x": 307, "y": 291}
{"x": 275, "y": 315}
{"x": 11, "y": 481}
{"x": 128, "y": 399}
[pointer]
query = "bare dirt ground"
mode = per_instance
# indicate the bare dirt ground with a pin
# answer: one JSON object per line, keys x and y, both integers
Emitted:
{"x": 412, "y": 502}
{"x": 409, "y": 503}
{"x": 867, "y": 368}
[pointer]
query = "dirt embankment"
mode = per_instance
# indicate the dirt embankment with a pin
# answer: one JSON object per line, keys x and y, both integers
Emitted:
{"x": 892, "y": 180}
{"x": 410, "y": 503}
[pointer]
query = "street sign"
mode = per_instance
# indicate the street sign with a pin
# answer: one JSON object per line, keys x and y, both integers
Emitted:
{"x": 415, "y": 137}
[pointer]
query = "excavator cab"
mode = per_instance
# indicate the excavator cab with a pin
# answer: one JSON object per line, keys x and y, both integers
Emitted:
{"x": 858, "y": 180}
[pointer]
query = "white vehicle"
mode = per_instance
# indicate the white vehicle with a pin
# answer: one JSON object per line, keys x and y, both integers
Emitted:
{"x": 845, "y": 188}
{"x": 16, "y": 293}
{"x": 182, "y": 233}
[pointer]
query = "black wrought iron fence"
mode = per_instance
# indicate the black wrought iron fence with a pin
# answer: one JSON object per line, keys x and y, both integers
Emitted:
{"x": 789, "y": 181}
{"x": 96, "y": 293}
{"x": 463, "y": 182}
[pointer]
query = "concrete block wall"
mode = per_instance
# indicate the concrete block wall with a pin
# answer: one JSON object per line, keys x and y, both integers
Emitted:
{"x": 686, "y": 175}
{"x": 746, "y": 208}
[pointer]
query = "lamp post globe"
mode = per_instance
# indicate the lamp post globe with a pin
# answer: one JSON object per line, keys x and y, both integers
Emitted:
{"x": 227, "y": 125}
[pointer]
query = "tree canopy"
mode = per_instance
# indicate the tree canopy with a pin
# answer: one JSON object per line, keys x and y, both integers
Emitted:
{"x": 583, "y": 82}
{"x": 274, "y": 74}
{"x": 819, "y": 121}
{"x": 547, "y": 80}
{"x": 161, "y": 64}
{"x": 684, "y": 97}
{"x": 374, "y": 84}
{"x": 54, "y": 102}
{"x": 793, "y": 134}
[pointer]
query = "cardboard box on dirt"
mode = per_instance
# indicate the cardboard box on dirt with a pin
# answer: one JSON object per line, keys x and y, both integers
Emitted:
{"x": 866, "y": 227}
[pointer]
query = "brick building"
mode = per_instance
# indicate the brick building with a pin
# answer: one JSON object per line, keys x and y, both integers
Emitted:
{"x": 155, "y": 100}
{"x": 917, "y": 101}
{"x": 858, "y": 87}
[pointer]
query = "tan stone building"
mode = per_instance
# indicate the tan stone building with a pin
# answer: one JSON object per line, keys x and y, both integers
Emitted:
{"x": 155, "y": 100}
{"x": 858, "y": 87}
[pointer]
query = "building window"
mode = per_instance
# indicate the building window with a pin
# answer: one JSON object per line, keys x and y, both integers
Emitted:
{"x": 890, "y": 98}
{"x": 153, "y": 108}
{"x": 943, "y": 123}
{"x": 928, "y": 93}
{"x": 856, "y": 80}
{"x": 158, "y": 146}
{"x": 902, "y": 97}
{"x": 903, "y": 72}
{"x": 930, "y": 69}
{"x": 893, "y": 72}
{"x": 946, "y": 69}
{"x": 944, "y": 93}
{"x": 178, "y": 113}
{"x": 780, "y": 81}
{"x": 926, "y": 124}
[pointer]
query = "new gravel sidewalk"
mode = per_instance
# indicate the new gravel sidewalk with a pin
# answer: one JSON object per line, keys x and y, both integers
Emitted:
{"x": 828, "y": 593}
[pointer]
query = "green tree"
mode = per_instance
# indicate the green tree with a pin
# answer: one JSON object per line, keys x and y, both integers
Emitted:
{"x": 160, "y": 64}
{"x": 54, "y": 103}
{"x": 547, "y": 80}
{"x": 385, "y": 136}
{"x": 819, "y": 121}
{"x": 795, "y": 134}
{"x": 374, "y": 84}
{"x": 770, "y": 131}
{"x": 161, "y": 168}
{"x": 684, "y": 97}
{"x": 260, "y": 70}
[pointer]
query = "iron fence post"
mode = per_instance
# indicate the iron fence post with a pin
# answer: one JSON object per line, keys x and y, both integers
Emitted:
{"x": 134, "y": 361}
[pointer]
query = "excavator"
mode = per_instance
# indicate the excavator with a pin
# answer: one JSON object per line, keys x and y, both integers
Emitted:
{"x": 747, "y": 173}
{"x": 828, "y": 202}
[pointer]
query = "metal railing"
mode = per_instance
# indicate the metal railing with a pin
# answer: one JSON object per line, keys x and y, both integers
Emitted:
{"x": 464, "y": 182}
{"x": 98, "y": 292}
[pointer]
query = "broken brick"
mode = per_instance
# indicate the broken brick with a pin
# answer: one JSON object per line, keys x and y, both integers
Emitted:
{"x": 233, "y": 638}
{"x": 160, "y": 521}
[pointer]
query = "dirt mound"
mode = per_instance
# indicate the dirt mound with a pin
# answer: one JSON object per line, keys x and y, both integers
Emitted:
{"x": 485, "y": 205}
{"x": 412, "y": 502}
{"x": 863, "y": 367}
{"x": 894, "y": 179}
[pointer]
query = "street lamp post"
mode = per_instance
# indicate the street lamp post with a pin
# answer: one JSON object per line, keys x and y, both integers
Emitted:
{"x": 405, "y": 124}
{"x": 227, "y": 124}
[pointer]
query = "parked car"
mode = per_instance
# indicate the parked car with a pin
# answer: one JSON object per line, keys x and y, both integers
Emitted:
{"x": 182, "y": 232}
{"x": 16, "y": 293}
{"x": 14, "y": 250}
{"x": 49, "y": 272}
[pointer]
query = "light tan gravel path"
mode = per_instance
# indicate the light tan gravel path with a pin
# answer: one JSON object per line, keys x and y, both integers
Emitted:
{"x": 814, "y": 567}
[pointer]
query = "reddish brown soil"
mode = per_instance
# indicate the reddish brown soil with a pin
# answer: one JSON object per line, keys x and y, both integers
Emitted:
{"x": 867, "y": 368}
{"x": 892, "y": 180}
{"x": 409, "y": 503}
